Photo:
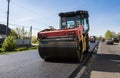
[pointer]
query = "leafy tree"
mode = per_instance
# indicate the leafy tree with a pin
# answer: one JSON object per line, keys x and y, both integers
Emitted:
{"x": 9, "y": 44}
{"x": 118, "y": 34}
{"x": 21, "y": 33}
{"x": 13, "y": 33}
{"x": 18, "y": 31}
{"x": 108, "y": 34}
{"x": 98, "y": 38}
{"x": 114, "y": 34}
{"x": 24, "y": 33}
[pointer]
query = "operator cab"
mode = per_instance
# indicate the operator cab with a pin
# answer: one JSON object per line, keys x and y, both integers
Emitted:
{"x": 71, "y": 20}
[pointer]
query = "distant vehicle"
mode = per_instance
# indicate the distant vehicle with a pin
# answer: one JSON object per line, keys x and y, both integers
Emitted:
{"x": 119, "y": 38}
{"x": 92, "y": 38}
{"x": 103, "y": 40}
{"x": 116, "y": 40}
{"x": 110, "y": 41}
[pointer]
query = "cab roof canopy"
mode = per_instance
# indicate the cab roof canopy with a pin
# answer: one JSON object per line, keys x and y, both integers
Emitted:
{"x": 75, "y": 13}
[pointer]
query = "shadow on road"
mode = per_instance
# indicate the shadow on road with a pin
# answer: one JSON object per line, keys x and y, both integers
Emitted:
{"x": 107, "y": 63}
{"x": 67, "y": 61}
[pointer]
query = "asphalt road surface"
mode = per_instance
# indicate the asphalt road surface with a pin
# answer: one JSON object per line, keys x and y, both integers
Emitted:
{"x": 30, "y": 65}
{"x": 107, "y": 64}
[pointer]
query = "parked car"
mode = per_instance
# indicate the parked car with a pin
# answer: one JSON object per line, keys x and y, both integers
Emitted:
{"x": 119, "y": 38}
{"x": 92, "y": 38}
{"x": 116, "y": 40}
{"x": 110, "y": 41}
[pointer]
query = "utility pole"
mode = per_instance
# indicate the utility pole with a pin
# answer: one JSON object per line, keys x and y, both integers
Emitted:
{"x": 30, "y": 35}
{"x": 7, "y": 17}
{"x": 30, "y": 31}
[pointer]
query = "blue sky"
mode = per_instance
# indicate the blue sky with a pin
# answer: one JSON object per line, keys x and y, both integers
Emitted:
{"x": 104, "y": 14}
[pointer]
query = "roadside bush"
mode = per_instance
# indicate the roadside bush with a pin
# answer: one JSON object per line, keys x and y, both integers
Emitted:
{"x": 9, "y": 44}
{"x": 34, "y": 40}
{"x": 0, "y": 50}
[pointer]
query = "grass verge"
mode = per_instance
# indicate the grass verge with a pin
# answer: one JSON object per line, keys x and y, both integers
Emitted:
{"x": 19, "y": 49}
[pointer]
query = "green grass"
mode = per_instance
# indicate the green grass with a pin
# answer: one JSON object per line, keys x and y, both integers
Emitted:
{"x": 19, "y": 49}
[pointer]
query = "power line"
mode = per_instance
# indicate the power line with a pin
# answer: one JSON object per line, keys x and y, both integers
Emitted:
{"x": 26, "y": 9}
{"x": 26, "y": 26}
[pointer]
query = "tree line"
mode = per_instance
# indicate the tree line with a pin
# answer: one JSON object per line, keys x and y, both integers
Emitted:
{"x": 20, "y": 33}
{"x": 110, "y": 34}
